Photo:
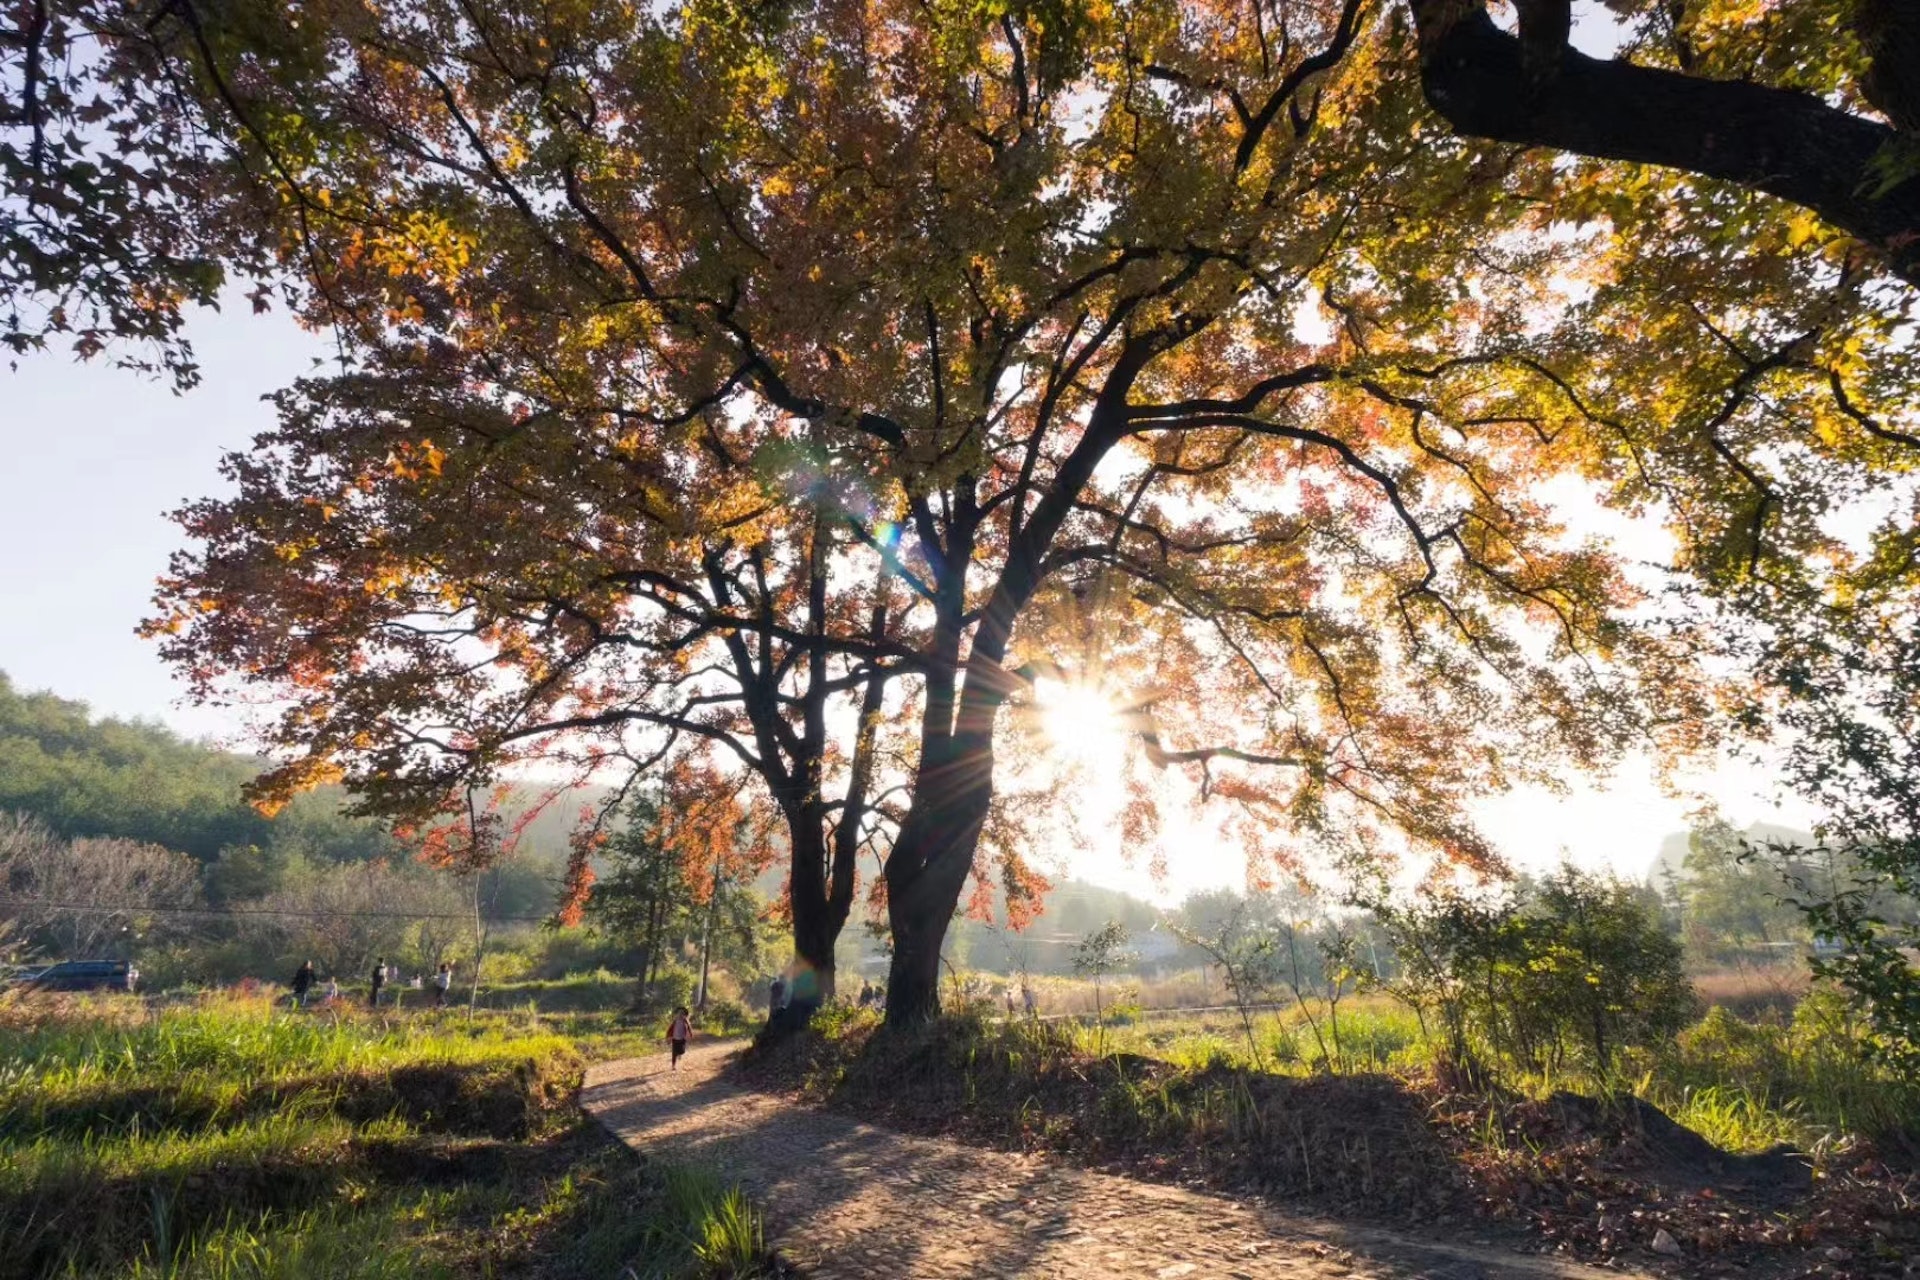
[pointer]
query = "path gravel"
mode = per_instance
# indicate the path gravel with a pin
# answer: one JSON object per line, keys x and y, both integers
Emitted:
{"x": 850, "y": 1201}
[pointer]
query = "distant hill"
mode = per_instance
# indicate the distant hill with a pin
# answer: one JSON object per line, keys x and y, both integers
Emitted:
{"x": 88, "y": 776}
{"x": 104, "y": 777}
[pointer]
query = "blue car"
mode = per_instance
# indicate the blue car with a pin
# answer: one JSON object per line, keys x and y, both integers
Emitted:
{"x": 83, "y": 975}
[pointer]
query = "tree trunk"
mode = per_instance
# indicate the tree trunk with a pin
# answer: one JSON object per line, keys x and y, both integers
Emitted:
{"x": 706, "y": 935}
{"x": 913, "y": 976}
{"x": 818, "y": 915}
{"x": 926, "y": 871}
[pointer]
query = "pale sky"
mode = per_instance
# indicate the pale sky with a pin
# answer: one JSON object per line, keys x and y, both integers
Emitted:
{"x": 95, "y": 458}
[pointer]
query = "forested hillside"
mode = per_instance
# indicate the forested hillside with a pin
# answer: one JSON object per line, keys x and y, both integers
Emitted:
{"x": 80, "y": 791}
{"x": 141, "y": 781}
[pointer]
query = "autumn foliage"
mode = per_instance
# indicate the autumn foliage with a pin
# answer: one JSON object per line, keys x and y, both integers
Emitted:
{"x": 777, "y": 396}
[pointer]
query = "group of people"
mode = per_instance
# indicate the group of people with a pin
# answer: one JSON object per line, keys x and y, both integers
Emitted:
{"x": 306, "y": 978}
{"x": 871, "y": 997}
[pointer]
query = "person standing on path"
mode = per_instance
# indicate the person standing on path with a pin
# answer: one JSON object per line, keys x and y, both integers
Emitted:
{"x": 442, "y": 982}
{"x": 379, "y": 981}
{"x": 302, "y": 984}
{"x": 679, "y": 1031}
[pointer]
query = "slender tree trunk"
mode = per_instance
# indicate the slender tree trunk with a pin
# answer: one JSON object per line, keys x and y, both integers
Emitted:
{"x": 481, "y": 925}
{"x": 651, "y": 969}
{"x": 706, "y": 934}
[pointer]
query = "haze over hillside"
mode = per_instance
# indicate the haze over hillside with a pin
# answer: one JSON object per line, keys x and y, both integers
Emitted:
{"x": 88, "y": 775}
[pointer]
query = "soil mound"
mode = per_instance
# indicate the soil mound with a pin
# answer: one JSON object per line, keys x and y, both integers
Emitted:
{"x": 1645, "y": 1143}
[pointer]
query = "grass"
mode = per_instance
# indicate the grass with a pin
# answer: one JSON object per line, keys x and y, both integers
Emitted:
{"x": 1768, "y": 1064}
{"x": 1802, "y": 1079}
{"x": 229, "y": 1138}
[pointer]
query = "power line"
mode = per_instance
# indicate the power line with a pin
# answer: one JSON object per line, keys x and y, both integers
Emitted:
{"x": 112, "y": 909}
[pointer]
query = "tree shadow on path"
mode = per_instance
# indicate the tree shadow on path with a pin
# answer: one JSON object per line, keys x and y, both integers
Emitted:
{"x": 850, "y": 1201}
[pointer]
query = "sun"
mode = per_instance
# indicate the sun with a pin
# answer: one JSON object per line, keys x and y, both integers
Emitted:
{"x": 1082, "y": 727}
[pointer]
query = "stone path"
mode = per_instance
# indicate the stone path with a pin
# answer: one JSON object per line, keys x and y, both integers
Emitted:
{"x": 849, "y": 1201}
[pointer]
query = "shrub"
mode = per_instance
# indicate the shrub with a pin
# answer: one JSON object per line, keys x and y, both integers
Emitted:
{"x": 727, "y": 1018}
{"x": 673, "y": 985}
{"x": 1575, "y": 974}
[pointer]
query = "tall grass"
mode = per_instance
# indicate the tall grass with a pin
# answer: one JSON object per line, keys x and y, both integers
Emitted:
{"x": 307, "y": 1245}
{"x": 1801, "y": 1078}
{"x": 235, "y": 1139}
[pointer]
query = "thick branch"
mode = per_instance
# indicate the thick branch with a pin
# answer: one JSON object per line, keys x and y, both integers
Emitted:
{"x": 1785, "y": 143}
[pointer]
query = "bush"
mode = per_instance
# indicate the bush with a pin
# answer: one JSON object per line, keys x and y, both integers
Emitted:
{"x": 838, "y": 1021}
{"x": 1571, "y": 976}
{"x": 671, "y": 987}
{"x": 727, "y": 1018}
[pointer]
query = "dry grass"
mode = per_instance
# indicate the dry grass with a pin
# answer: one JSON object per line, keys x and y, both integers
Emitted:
{"x": 1754, "y": 991}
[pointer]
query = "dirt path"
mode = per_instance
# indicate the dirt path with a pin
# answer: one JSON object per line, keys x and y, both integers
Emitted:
{"x": 848, "y": 1201}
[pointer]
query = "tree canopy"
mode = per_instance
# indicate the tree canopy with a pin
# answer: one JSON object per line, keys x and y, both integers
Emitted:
{"x": 121, "y": 210}
{"x": 783, "y": 392}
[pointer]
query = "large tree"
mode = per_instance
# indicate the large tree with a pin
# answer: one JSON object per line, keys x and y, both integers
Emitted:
{"x": 792, "y": 390}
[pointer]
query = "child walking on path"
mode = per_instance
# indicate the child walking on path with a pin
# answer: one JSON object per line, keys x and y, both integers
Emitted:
{"x": 678, "y": 1032}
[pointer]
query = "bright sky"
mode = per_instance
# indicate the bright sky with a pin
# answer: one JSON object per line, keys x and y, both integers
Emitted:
{"x": 96, "y": 458}
{"x": 1615, "y": 823}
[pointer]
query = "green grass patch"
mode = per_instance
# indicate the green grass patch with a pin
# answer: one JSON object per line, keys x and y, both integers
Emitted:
{"x": 228, "y": 1138}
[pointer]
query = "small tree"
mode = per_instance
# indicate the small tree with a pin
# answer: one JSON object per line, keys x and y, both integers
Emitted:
{"x": 645, "y": 896}
{"x": 1440, "y": 939}
{"x": 1301, "y": 977}
{"x": 1243, "y": 948}
{"x": 1338, "y": 975}
{"x": 1578, "y": 964}
{"x": 1100, "y": 953}
{"x": 1615, "y": 974}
